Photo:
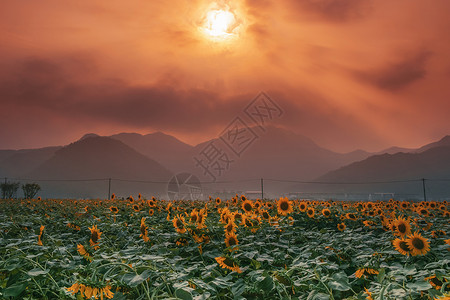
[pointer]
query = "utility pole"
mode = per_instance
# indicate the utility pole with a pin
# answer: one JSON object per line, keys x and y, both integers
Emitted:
{"x": 109, "y": 188}
{"x": 424, "y": 190}
{"x": 262, "y": 188}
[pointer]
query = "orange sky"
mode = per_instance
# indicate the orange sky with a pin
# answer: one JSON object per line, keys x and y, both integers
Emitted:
{"x": 348, "y": 73}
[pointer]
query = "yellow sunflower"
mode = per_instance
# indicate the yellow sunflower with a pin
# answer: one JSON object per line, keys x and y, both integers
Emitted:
{"x": 201, "y": 219}
{"x": 88, "y": 291}
{"x": 369, "y": 294}
{"x": 445, "y": 296}
{"x": 144, "y": 230}
{"x": 230, "y": 227}
{"x": 83, "y": 252}
{"x": 401, "y": 246}
{"x": 341, "y": 226}
{"x": 247, "y": 206}
{"x": 326, "y": 212}
{"x": 351, "y": 216}
{"x": 193, "y": 216}
{"x": 181, "y": 241}
{"x": 178, "y": 224}
{"x": 310, "y": 212}
{"x": 231, "y": 241}
{"x": 228, "y": 263}
{"x": 423, "y": 211}
{"x": 435, "y": 282}
{"x": 291, "y": 220}
{"x": 365, "y": 272}
{"x": 151, "y": 202}
{"x": 302, "y": 206}
{"x": 284, "y": 206}
{"x": 404, "y": 204}
{"x": 41, "y": 231}
{"x": 238, "y": 217}
{"x": 258, "y": 203}
{"x": 114, "y": 209}
{"x": 265, "y": 214}
{"x": 402, "y": 226}
{"x": 418, "y": 244}
{"x": 95, "y": 236}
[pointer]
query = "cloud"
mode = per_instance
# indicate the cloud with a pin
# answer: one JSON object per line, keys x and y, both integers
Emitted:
{"x": 61, "y": 89}
{"x": 399, "y": 74}
{"x": 333, "y": 10}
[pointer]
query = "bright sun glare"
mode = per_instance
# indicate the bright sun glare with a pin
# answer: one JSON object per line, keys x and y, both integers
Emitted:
{"x": 220, "y": 24}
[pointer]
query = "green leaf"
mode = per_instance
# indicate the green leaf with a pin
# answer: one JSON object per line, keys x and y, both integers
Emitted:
{"x": 314, "y": 295}
{"x": 134, "y": 280}
{"x": 381, "y": 275}
{"x": 409, "y": 270}
{"x": 339, "y": 282}
{"x": 14, "y": 290}
{"x": 152, "y": 257}
{"x": 37, "y": 272}
{"x": 119, "y": 296}
{"x": 419, "y": 285}
{"x": 221, "y": 283}
{"x": 183, "y": 294}
{"x": 266, "y": 284}
{"x": 238, "y": 288}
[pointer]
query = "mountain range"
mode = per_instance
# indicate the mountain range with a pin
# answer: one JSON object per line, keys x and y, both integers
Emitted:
{"x": 143, "y": 163}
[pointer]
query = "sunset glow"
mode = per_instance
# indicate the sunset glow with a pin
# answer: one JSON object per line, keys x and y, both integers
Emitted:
{"x": 220, "y": 24}
{"x": 349, "y": 74}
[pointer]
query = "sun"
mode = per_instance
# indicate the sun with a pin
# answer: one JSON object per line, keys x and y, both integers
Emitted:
{"x": 220, "y": 24}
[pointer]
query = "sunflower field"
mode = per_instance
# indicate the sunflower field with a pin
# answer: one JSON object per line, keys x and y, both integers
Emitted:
{"x": 223, "y": 249}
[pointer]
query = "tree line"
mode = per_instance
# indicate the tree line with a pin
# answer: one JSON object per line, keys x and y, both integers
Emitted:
{"x": 9, "y": 190}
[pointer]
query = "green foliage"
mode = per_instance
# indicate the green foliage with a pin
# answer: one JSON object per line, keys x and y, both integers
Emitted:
{"x": 30, "y": 190}
{"x": 9, "y": 189}
{"x": 303, "y": 258}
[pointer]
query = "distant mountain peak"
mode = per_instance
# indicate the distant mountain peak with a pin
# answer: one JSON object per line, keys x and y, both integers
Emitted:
{"x": 445, "y": 139}
{"x": 88, "y": 135}
{"x": 158, "y": 133}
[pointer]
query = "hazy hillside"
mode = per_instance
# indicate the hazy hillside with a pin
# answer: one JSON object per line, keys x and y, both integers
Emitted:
{"x": 165, "y": 149}
{"x": 444, "y": 142}
{"x": 433, "y": 163}
{"x": 20, "y": 162}
{"x": 276, "y": 154}
{"x": 97, "y": 158}
{"x": 281, "y": 154}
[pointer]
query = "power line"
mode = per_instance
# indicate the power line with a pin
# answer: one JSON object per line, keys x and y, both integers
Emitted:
{"x": 231, "y": 181}
{"x": 58, "y": 180}
{"x": 348, "y": 182}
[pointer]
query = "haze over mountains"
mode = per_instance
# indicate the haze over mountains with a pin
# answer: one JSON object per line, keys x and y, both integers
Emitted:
{"x": 134, "y": 160}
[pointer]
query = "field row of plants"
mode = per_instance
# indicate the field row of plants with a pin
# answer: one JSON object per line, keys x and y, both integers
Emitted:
{"x": 223, "y": 249}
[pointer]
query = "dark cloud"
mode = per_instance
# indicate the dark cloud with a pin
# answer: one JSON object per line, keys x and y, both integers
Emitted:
{"x": 399, "y": 74}
{"x": 332, "y": 10}
{"x": 45, "y": 91}
{"x": 46, "y": 85}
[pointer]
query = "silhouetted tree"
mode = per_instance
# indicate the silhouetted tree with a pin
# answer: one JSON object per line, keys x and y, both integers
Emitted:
{"x": 30, "y": 190}
{"x": 9, "y": 189}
